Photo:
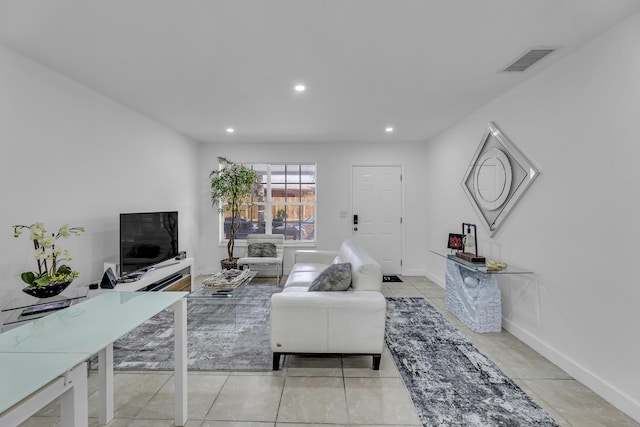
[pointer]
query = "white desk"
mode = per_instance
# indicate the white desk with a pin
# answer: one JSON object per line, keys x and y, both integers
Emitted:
{"x": 52, "y": 375}
{"x": 92, "y": 326}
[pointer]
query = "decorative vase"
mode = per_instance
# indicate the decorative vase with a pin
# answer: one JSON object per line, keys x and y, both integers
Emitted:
{"x": 228, "y": 264}
{"x": 46, "y": 291}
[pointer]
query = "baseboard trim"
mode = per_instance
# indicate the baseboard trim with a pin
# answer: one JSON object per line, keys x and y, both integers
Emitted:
{"x": 414, "y": 272}
{"x": 598, "y": 385}
{"x": 601, "y": 387}
{"x": 435, "y": 279}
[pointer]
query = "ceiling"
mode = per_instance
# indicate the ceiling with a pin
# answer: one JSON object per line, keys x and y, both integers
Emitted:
{"x": 201, "y": 66}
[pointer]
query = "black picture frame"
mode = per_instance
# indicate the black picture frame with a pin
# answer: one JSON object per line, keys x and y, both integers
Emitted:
{"x": 455, "y": 241}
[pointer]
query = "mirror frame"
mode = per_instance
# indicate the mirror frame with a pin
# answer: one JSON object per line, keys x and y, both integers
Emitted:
{"x": 523, "y": 171}
{"x": 501, "y": 158}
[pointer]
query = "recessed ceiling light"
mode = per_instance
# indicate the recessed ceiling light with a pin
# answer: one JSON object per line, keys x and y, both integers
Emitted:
{"x": 230, "y": 130}
{"x": 300, "y": 88}
{"x": 388, "y": 129}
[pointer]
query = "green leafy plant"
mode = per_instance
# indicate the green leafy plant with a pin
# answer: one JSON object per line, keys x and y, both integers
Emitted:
{"x": 232, "y": 185}
{"x": 49, "y": 258}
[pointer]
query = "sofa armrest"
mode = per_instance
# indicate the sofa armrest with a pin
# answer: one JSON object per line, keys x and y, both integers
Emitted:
{"x": 308, "y": 256}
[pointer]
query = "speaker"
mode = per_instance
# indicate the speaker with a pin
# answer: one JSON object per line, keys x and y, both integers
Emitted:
{"x": 113, "y": 266}
{"x": 109, "y": 280}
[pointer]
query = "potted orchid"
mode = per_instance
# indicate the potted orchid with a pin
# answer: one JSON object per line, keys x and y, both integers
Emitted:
{"x": 53, "y": 274}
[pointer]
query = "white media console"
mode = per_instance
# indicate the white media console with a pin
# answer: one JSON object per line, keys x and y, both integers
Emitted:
{"x": 170, "y": 275}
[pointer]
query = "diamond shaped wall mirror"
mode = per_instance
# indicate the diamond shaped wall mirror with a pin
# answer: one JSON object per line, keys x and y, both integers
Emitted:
{"x": 498, "y": 176}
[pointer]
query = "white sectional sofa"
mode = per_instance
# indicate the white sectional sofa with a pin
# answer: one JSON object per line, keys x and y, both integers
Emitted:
{"x": 343, "y": 322}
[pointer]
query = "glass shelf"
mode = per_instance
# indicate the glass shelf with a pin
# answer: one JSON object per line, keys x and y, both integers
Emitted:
{"x": 11, "y": 314}
{"x": 482, "y": 268}
{"x": 24, "y": 300}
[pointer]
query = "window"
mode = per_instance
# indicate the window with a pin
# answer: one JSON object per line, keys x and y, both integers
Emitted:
{"x": 283, "y": 203}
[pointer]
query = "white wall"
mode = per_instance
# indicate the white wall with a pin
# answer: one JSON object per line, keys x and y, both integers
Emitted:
{"x": 334, "y": 163}
{"x": 70, "y": 155}
{"x": 575, "y": 228}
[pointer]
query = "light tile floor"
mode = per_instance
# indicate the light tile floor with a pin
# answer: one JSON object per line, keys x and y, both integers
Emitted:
{"x": 337, "y": 391}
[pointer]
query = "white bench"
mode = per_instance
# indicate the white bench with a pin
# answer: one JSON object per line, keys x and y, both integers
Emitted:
{"x": 278, "y": 242}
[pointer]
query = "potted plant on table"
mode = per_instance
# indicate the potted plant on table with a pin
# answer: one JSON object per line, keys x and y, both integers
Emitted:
{"x": 232, "y": 186}
{"x": 53, "y": 275}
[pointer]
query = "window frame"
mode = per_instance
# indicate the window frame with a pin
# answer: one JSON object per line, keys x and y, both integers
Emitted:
{"x": 269, "y": 204}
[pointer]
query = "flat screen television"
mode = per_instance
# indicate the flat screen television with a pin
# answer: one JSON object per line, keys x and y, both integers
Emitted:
{"x": 147, "y": 238}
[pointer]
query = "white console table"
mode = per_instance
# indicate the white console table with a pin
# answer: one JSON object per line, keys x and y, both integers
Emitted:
{"x": 472, "y": 293}
{"x": 38, "y": 359}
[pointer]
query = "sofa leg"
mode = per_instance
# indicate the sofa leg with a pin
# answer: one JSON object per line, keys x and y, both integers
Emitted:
{"x": 376, "y": 362}
{"x": 276, "y": 361}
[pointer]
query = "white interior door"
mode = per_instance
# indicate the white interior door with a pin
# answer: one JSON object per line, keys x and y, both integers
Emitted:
{"x": 377, "y": 203}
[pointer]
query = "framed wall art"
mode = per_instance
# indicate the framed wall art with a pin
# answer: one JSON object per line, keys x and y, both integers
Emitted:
{"x": 498, "y": 176}
{"x": 455, "y": 241}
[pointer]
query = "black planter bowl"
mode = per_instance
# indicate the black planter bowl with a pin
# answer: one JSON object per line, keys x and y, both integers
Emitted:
{"x": 46, "y": 291}
{"x": 227, "y": 264}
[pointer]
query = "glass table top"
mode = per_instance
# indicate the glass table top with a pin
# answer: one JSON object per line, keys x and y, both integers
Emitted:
{"x": 22, "y": 373}
{"x": 89, "y": 326}
{"x": 481, "y": 267}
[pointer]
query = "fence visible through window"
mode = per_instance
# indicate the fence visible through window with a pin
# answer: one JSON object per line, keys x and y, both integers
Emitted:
{"x": 283, "y": 203}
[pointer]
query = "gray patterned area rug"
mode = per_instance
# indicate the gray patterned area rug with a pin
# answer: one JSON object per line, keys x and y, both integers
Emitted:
{"x": 450, "y": 381}
{"x": 223, "y": 334}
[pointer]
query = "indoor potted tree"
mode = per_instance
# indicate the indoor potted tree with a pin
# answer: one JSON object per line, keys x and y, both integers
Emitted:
{"x": 232, "y": 185}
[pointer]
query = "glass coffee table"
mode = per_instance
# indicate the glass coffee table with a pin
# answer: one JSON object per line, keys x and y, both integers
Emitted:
{"x": 220, "y": 310}
{"x": 222, "y": 292}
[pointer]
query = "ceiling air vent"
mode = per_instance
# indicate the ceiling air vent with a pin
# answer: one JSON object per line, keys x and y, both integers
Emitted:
{"x": 528, "y": 59}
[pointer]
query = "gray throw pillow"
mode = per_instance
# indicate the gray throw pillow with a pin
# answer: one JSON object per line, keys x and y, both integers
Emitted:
{"x": 336, "y": 277}
{"x": 262, "y": 249}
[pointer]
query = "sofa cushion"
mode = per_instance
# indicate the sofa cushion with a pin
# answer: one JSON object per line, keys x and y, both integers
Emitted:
{"x": 316, "y": 268}
{"x": 261, "y": 249}
{"x": 336, "y": 277}
{"x": 301, "y": 279}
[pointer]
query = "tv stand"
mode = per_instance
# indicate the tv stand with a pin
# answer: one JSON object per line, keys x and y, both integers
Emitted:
{"x": 170, "y": 275}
